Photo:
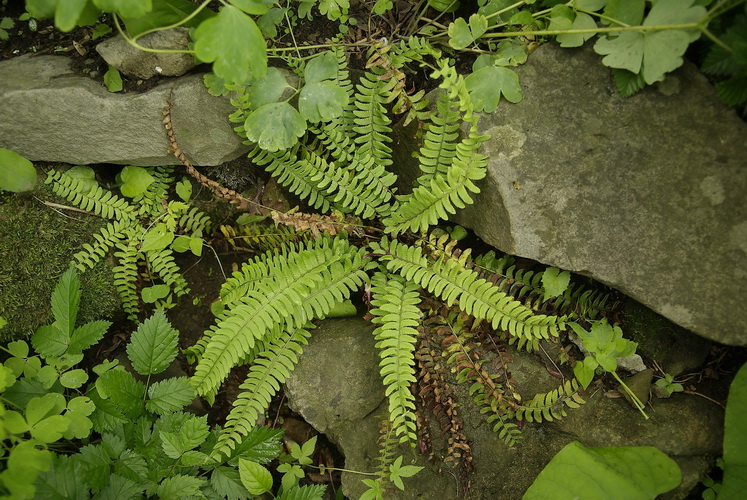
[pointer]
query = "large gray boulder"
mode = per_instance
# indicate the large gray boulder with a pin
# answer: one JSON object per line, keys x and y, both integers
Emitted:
{"x": 337, "y": 388}
{"x": 51, "y": 113}
{"x": 645, "y": 194}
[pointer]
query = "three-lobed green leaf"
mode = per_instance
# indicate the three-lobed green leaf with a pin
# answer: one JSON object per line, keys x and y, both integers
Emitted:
{"x": 275, "y": 126}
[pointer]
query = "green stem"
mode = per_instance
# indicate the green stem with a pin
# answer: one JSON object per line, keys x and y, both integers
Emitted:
{"x": 132, "y": 42}
{"x": 343, "y": 470}
{"x": 611, "y": 29}
{"x": 636, "y": 402}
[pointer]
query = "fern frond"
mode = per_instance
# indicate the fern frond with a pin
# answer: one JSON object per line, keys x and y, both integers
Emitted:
{"x": 108, "y": 237}
{"x": 162, "y": 263}
{"x": 371, "y": 121}
{"x": 258, "y": 237}
{"x": 96, "y": 200}
{"x": 195, "y": 220}
{"x": 304, "y": 285}
{"x": 476, "y": 296}
{"x": 150, "y": 202}
{"x": 439, "y": 244}
{"x": 396, "y": 310}
{"x": 439, "y": 141}
{"x": 125, "y": 274}
{"x": 429, "y": 203}
{"x": 551, "y": 405}
{"x": 269, "y": 370}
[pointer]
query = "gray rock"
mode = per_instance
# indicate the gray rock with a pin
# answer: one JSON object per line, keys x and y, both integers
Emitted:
{"x": 50, "y": 113}
{"x": 645, "y": 194}
{"x": 337, "y": 388}
{"x": 133, "y": 61}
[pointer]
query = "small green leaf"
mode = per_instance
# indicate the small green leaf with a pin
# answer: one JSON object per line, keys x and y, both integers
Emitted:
{"x": 254, "y": 7}
{"x": 135, "y": 181}
{"x": 74, "y": 378}
{"x": 462, "y": 35}
{"x": 487, "y": 84}
{"x": 255, "y": 478}
{"x": 100, "y": 30}
{"x": 397, "y": 472}
{"x": 85, "y": 176}
{"x": 113, "y": 80}
{"x": 382, "y": 6}
{"x": 583, "y": 371}
{"x": 153, "y": 293}
{"x": 521, "y": 17}
{"x": 82, "y": 405}
{"x": 184, "y": 189}
{"x": 321, "y": 101}
{"x": 321, "y": 67}
{"x": 627, "y": 83}
{"x": 555, "y": 282}
{"x": 157, "y": 238}
{"x": 234, "y": 42}
{"x": 153, "y": 346}
{"x": 6, "y": 378}
{"x": 342, "y": 309}
{"x": 275, "y": 126}
{"x": 613, "y": 473}
{"x": 195, "y": 245}
{"x": 268, "y": 89}
{"x": 216, "y": 86}
{"x": 16, "y": 172}
{"x": 582, "y": 21}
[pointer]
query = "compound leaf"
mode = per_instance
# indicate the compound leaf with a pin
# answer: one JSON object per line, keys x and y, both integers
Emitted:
{"x": 234, "y": 42}
{"x": 153, "y": 346}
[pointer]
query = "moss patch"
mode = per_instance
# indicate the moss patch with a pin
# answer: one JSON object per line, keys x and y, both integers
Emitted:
{"x": 37, "y": 245}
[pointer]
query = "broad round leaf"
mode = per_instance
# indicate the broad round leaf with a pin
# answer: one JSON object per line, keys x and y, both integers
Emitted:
{"x": 275, "y": 126}
{"x": 268, "y": 89}
{"x": 85, "y": 176}
{"x": 321, "y": 67}
{"x": 613, "y": 473}
{"x": 16, "y": 172}
{"x": 135, "y": 180}
{"x": 155, "y": 292}
{"x": 113, "y": 80}
{"x": 321, "y": 101}
{"x": 233, "y": 41}
{"x": 74, "y": 378}
{"x": 254, "y": 7}
{"x": 157, "y": 238}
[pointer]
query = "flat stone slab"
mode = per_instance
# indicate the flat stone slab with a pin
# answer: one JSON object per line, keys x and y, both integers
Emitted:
{"x": 51, "y": 113}
{"x": 646, "y": 194}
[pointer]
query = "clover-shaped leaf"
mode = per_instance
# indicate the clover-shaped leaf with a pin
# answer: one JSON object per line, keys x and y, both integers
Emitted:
{"x": 275, "y": 126}
{"x": 654, "y": 52}
{"x": 461, "y": 35}
{"x": 135, "y": 180}
{"x": 321, "y": 67}
{"x": 555, "y": 281}
{"x": 234, "y": 42}
{"x": 487, "y": 84}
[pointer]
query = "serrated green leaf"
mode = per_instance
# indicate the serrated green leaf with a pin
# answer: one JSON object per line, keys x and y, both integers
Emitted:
{"x": 627, "y": 83}
{"x": 555, "y": 282}
{"x": 179, "y": 486}
{"x": 260, "y": 445}
{"x": 113, "y": 80}
{"x": 227, "y": 482}
{"x": 153, "y": 346}
{"x": 65, "y": 302}
{"x": 312, "y": 492}
{"x": 170, "y": 395}
{"x": 17, "y": 174}
{"x": 321, "y": 67}
{"x": 125, "y": 8}
{"x": 74, "y": 378}
{"x": 121, "y": 388}
{"x": 486, "y": 86}
{"x": 135, "y": 181}
{"x": 131, "y": 465}
{"x": 156, "y": 292}
{"x": 234, "y": 43}
{"x": 734, "y": 90}
{"x": 120, "y": 488}
{"x": 321, "y": 101}
{"x": 63, "y": 480}
{"x": 87, "y": 335}
{"x": 275, "y": 126}
{"x": 625, "y": 472}
{"x": 255, "y": 478}
{"x": 216, "y": 86}
{"x": 6, "y": 378}
{"x": 49, "y": 341}
{"x": 653, "y": 52}
{"x": 461, "y": 35}
{"x": 96, "y": 465}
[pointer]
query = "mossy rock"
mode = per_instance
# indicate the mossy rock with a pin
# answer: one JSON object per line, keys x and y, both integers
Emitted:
{"x": 37, "y": 244}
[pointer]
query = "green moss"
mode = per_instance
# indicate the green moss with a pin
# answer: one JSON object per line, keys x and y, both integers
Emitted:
{"x": 36, "y": 246}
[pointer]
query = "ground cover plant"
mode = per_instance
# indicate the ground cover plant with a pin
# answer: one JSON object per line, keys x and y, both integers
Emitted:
{"x": 329, "y": 145}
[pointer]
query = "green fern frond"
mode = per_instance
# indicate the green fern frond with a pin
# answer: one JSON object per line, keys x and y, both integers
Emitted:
{"x": 305, "y": 284}
{"x": 103, "y": 241}
{"x": 551, "y": 405}
{"x": 150, "y": 202}
{"x": 269, "y": 370}
{"x": 396, "y": 310}
{"x": 125, "y": 274}
{"x": 371, "y": 121}
{"x": 96, "y": 200}
{"x": 259, "y": 237}
{"x": 476, "y": 296}
{"x": 195, "y": 221}
{"x": 162, "y": 263}
{"x": 439, "y": 142}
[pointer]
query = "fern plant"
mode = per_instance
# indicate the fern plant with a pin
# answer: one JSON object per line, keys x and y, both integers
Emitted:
{"x": 148, "y": 229}
{"x": 338, "y": 166}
